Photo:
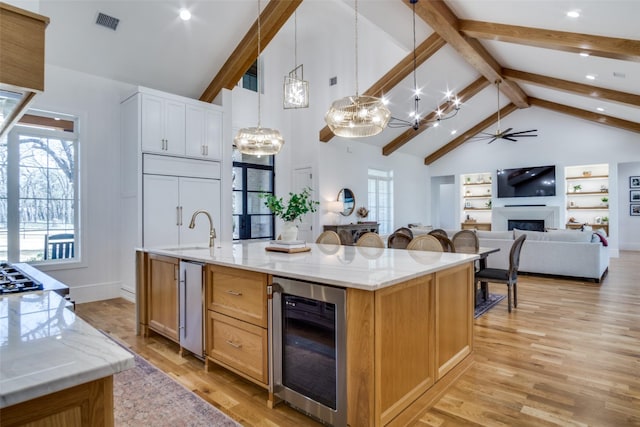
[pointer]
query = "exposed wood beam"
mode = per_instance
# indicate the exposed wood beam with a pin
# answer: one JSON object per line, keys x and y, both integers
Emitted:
{"x": 468, "y": 134}
{"x": 572, "y": 87}
{"x": 48, "y": 122}
{"x": 466, "y": 94}
{"x": 587, "y": 115}
{"x": 272, "y": 18}
{"x": 404, "y": 68}
{"x": 607, "y": 47}
{"x": 443, "y": 21}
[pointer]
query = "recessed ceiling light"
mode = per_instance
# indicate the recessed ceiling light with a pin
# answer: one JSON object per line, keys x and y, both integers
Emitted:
{"x": 453, "y": 132}
{"x": 585, "y": 54}
{"x": 573, "y": 14}
{"x": 436, "y": 124}
{"x": 185, "y": 15}
{"x": 600, "y": 109}
{"x": 590, "y": 77}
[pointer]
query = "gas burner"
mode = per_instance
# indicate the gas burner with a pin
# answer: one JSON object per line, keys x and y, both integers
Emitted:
{"x": 12, "y": 280}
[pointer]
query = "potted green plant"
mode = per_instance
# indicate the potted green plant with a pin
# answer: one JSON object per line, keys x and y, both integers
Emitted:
{"x": 605, "y": 201}
{"x": 577, "y": 188}
{"x": 605, "y": 219}
{"x": 298, "y": 205}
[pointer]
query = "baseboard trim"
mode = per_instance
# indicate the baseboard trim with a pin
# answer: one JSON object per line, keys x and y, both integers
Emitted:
{"x": 95, "y": 292}
{"x": 128, "y": 293}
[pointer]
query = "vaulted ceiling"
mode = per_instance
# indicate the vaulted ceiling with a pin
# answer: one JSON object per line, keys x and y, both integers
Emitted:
{"x": 531, "y": 46}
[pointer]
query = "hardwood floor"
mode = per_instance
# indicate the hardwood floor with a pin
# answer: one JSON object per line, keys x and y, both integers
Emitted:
{"x": 568, "y": 355}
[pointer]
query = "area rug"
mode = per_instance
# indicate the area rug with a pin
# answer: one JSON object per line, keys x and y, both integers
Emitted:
{"x": 486, "y": 305}
{"x": 146, "y": 396}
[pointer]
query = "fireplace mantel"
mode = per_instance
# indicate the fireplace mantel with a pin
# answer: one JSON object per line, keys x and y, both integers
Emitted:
{"x": 500, "y": 215}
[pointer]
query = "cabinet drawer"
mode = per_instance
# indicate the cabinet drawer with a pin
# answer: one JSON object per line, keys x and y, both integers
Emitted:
{"x": 238, "y": 293}
{"x": 237, "y": 345}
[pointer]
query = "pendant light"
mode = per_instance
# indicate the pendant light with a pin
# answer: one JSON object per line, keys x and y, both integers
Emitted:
{"x": 357, "y": 116}
{"x": 258, "y": 141}
{"x": 447, "y": 110}
{"x": 296, "y": 89}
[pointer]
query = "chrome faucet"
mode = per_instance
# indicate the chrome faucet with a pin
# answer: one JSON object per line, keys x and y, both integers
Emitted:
{"x": 212, "y": 231}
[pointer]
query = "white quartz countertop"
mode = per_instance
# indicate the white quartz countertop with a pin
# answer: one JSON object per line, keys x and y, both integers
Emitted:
{"x": 346, "y": 266}
{"x": 45, "y": 347}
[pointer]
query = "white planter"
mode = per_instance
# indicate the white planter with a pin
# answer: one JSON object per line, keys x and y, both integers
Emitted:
{"x": 289, "y": 231}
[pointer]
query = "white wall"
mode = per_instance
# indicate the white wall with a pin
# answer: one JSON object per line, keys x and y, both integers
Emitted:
{"x": 563, "y": 141}
{"x": 629, "y": 225}
{"x": 96, "y": 101}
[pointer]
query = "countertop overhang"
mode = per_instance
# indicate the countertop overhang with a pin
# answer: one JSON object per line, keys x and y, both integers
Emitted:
{"x": 345, "y": 266}
{"x": 45, "y": 347}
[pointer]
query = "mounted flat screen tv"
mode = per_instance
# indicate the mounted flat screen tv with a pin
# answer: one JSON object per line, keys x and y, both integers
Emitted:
{"x": 534, "y": 181}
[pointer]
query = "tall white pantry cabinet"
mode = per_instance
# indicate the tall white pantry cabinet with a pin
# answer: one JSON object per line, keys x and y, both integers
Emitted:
{"x": 171, "y": 153}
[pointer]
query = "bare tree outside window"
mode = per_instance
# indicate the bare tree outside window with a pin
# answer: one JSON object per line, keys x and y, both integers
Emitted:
{"x": 41, "y": 166}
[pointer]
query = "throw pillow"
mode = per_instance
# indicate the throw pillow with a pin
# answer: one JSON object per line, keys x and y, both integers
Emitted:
{"x": 601, "y": 238}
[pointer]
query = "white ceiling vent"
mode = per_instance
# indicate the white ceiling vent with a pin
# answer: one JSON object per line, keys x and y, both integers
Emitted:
{"x": 107, "y": 21}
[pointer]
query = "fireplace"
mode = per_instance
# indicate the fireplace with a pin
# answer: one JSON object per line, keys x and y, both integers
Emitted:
{"x": 526, "y": 224}
{"x": 501, "y": 215}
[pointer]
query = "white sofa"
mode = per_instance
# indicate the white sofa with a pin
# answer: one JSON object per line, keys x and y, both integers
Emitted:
{"x": 572, "y": 253}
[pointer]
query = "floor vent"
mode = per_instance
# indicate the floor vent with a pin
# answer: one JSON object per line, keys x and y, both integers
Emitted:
{"x": 107, "y": 21}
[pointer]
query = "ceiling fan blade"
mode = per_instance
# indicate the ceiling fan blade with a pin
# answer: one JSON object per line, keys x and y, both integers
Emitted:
{"x": 494, "y": 138}
{"x": 521, "y": 136}
{"x": 508, "y": 138}
{"x": 504, "y": 132}
{"x": 524, "y": 131}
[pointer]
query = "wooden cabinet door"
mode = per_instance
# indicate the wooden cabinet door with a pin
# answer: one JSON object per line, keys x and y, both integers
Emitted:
{"x": 160, "y": 210}
{"x": 163, "y": 295}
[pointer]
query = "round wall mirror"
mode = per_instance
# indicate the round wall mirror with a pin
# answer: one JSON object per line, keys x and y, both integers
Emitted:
{"x": 348, "y": 201}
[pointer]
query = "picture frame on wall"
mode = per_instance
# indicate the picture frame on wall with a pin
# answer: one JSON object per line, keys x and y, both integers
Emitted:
{"x": 634, "y": 209}
{"x": 634, "y": 182}
{"x": 634, "y": 196}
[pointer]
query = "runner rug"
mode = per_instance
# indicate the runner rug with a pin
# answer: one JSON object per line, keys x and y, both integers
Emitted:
{"x": 485, "y": 306}
{"x": 146, "y": 396}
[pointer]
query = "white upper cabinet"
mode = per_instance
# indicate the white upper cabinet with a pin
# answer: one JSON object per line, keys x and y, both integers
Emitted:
{"x": 180, "y": 127}
{"x": 203, "y": 133}
{"x": 163, "y": 125}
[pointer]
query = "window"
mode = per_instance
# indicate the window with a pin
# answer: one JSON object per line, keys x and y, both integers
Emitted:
{"x": 39, "y": 189}
{"x": 250, "y": 78}
{"x": 381, "y": 199}
{"x": 252, "y": 175}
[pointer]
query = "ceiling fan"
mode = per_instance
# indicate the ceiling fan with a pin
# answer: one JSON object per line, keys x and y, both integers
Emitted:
{"x": 503, "y": 134}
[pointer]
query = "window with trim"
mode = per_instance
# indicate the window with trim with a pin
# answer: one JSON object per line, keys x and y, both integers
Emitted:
{"x": 381, "y": 199}
{"x": 252, "y": 176}
{"x": 250, "y": 77}
{"x": 39, "y": 189}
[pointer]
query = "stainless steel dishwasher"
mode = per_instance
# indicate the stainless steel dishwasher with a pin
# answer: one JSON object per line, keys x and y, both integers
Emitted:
{"x": 191, "y": 307}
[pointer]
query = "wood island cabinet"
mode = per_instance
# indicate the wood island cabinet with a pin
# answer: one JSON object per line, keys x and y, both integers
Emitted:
{"x": 237, "y": 319}
{"x": 162, "y": 293}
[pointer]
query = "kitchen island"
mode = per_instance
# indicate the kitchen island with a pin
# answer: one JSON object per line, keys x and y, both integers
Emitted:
{"x": 56, "y": 369}
{"x": 409, "y": 316}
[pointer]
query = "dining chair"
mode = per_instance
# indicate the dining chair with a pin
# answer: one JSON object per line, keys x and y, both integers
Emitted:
{"x": 466, "y": 241}
{"x": 372, "y": 240}
{"x": 439, "y": 231}
{"x": 509, "y": 276}
{"x": 447, "y": 245}
{"x": 425, "y": 242}
{"x": 398, "y": 240}
{"x": 346, "y": 238}
{"x": 57, "y": 246}
{"x": 328, "y": 238}
{"x": 405, "y": 230}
